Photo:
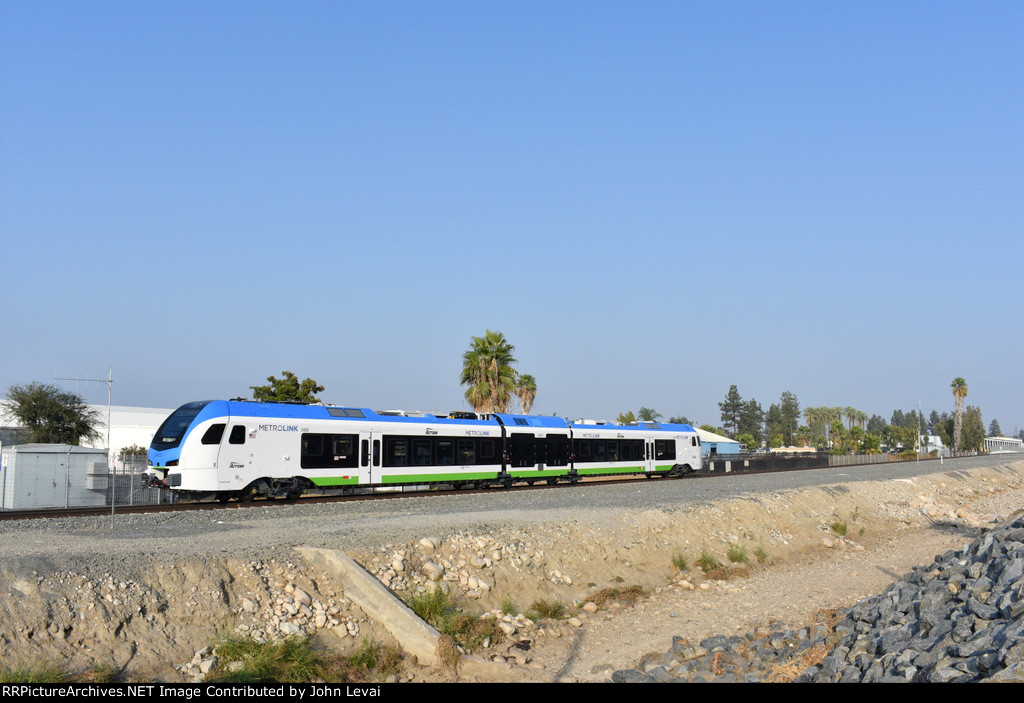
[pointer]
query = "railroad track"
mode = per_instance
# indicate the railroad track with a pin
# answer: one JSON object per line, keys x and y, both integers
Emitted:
{"x": 371, "y": 494}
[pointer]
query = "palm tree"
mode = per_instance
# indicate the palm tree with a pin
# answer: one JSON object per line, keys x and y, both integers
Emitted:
{"x": 488, "y": 373}
{"x": 526, "y": 389}
{"x": 648, "y": 414}
{"x": 959, "y": 387}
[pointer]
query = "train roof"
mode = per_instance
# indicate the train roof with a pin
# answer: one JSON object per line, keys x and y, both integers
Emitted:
{"x": 301, "y": 411}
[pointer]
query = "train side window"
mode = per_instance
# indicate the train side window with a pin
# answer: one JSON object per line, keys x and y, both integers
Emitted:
{"x": 214, "y": 434}
{"x": 421, "y": 452}
{"x": 237, "y": 435}
{"x": 486, "y": 451}
{"x": 583, "y": 450}
{"x": 665, "y": 449}
{"x": 445, "y": 452}
{"x": 396, "y": 452}
{"x": 467, "y": 452}
{"x": 613, "y": 450}
{"x": 344, "y": 450}
{"x": 599, "y": 450}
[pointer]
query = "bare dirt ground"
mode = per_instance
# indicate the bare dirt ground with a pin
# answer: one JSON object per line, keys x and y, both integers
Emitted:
{"x": 891, "y": 527}
{"x": 150, "y": 623}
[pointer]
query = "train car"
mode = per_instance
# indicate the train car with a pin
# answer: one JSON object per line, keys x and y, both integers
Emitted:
{"x": 244, "y": 450}
{"x": 650, "y": 448}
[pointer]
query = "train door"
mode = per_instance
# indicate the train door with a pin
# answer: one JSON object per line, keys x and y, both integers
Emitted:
{"x": 368, "y": 470}
{"x": 369, "y": 457}
{"x": 648, "y": 463}
{"x": 523, "y": 451}
{"x": 235, "y": 461}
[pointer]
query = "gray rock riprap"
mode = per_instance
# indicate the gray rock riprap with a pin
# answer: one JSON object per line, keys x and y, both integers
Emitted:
{"x": 955, "y": 620}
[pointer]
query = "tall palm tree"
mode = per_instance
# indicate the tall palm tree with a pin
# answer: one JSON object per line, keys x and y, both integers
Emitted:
{"x": 648, "y": 414}
{"x": 488, "y": 373}
{"x": 959, "y": 387}
{"x": 526, "y": 389}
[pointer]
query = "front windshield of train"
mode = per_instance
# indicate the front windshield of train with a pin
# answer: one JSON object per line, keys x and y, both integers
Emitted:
{"x": 170, "y": 433}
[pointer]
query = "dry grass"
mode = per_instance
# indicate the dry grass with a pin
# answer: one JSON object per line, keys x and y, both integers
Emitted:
{"x": 447, "y": 653}
{"x": 723, "y": 573}
{"x": 627, "y": 596}
{"x": 787, "y": 673}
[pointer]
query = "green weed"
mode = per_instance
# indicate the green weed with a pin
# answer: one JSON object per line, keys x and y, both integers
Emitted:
{"x": 737, "y": 554}
{"x": 707, "y": 562}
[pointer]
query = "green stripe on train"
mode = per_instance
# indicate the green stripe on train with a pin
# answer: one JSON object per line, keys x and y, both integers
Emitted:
{"x": 430, "y": 478}
{"x": 335, "y": 481}
{"x": 620, "y": 470}
{"x": 539, "y": 474}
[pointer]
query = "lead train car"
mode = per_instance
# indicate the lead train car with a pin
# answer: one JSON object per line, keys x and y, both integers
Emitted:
{"x": 244, "y": 449}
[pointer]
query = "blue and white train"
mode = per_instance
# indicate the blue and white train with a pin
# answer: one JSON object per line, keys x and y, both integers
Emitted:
{"x": 245, "y": 450}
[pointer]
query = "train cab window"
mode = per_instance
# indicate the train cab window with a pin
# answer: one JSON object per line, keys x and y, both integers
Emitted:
{"x": 467, "y": 452}
{"x": 214, "y": 434}
{"x": 693, "y": 441}
{"x": 445, "y": 452}
{"x": 237, "y": 435}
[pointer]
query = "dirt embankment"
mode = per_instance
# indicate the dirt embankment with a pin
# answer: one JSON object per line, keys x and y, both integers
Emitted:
{"x": 149, "y": 624}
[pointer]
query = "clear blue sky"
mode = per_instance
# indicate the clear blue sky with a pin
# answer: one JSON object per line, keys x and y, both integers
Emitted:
{"x": 652, "y": 201}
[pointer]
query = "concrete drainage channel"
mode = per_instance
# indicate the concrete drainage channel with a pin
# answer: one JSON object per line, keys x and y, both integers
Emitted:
{"x": 413, "y": 634}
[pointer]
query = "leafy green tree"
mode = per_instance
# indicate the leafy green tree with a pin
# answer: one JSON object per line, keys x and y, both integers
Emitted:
{"x": 959, "y": 387}
{"x": 872, "y": 444}
{"x": 973, "y": 431}
{"x": 647, "y": 414}
{"x": 626, "y": 418}
{"x": 731, "y": 409}
{"x": 749, "y": 440}
{"x": 789, "y": 406}
{"x": 680, "y": 420}
{"x": 526, "y": 389}
{"x": 994, "y": 430}
{"x": 876, "y": 423}
{"x": 489, "y": 373}
{"x": 751, "y": 420}
{"x": 52, "y": 416}
{"x": 287, "y": 390}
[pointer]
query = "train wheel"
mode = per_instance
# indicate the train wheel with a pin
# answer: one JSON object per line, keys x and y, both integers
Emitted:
{"x": 245, "y": 496}
{"x": 552, "y": 481}
{"x": 223, "y": 498}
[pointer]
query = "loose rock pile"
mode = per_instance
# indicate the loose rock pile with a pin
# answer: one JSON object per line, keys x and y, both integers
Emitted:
{"x": 957, "y": 620}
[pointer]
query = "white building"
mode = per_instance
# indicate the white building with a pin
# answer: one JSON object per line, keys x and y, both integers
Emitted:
{"x": 128, "y": 427}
